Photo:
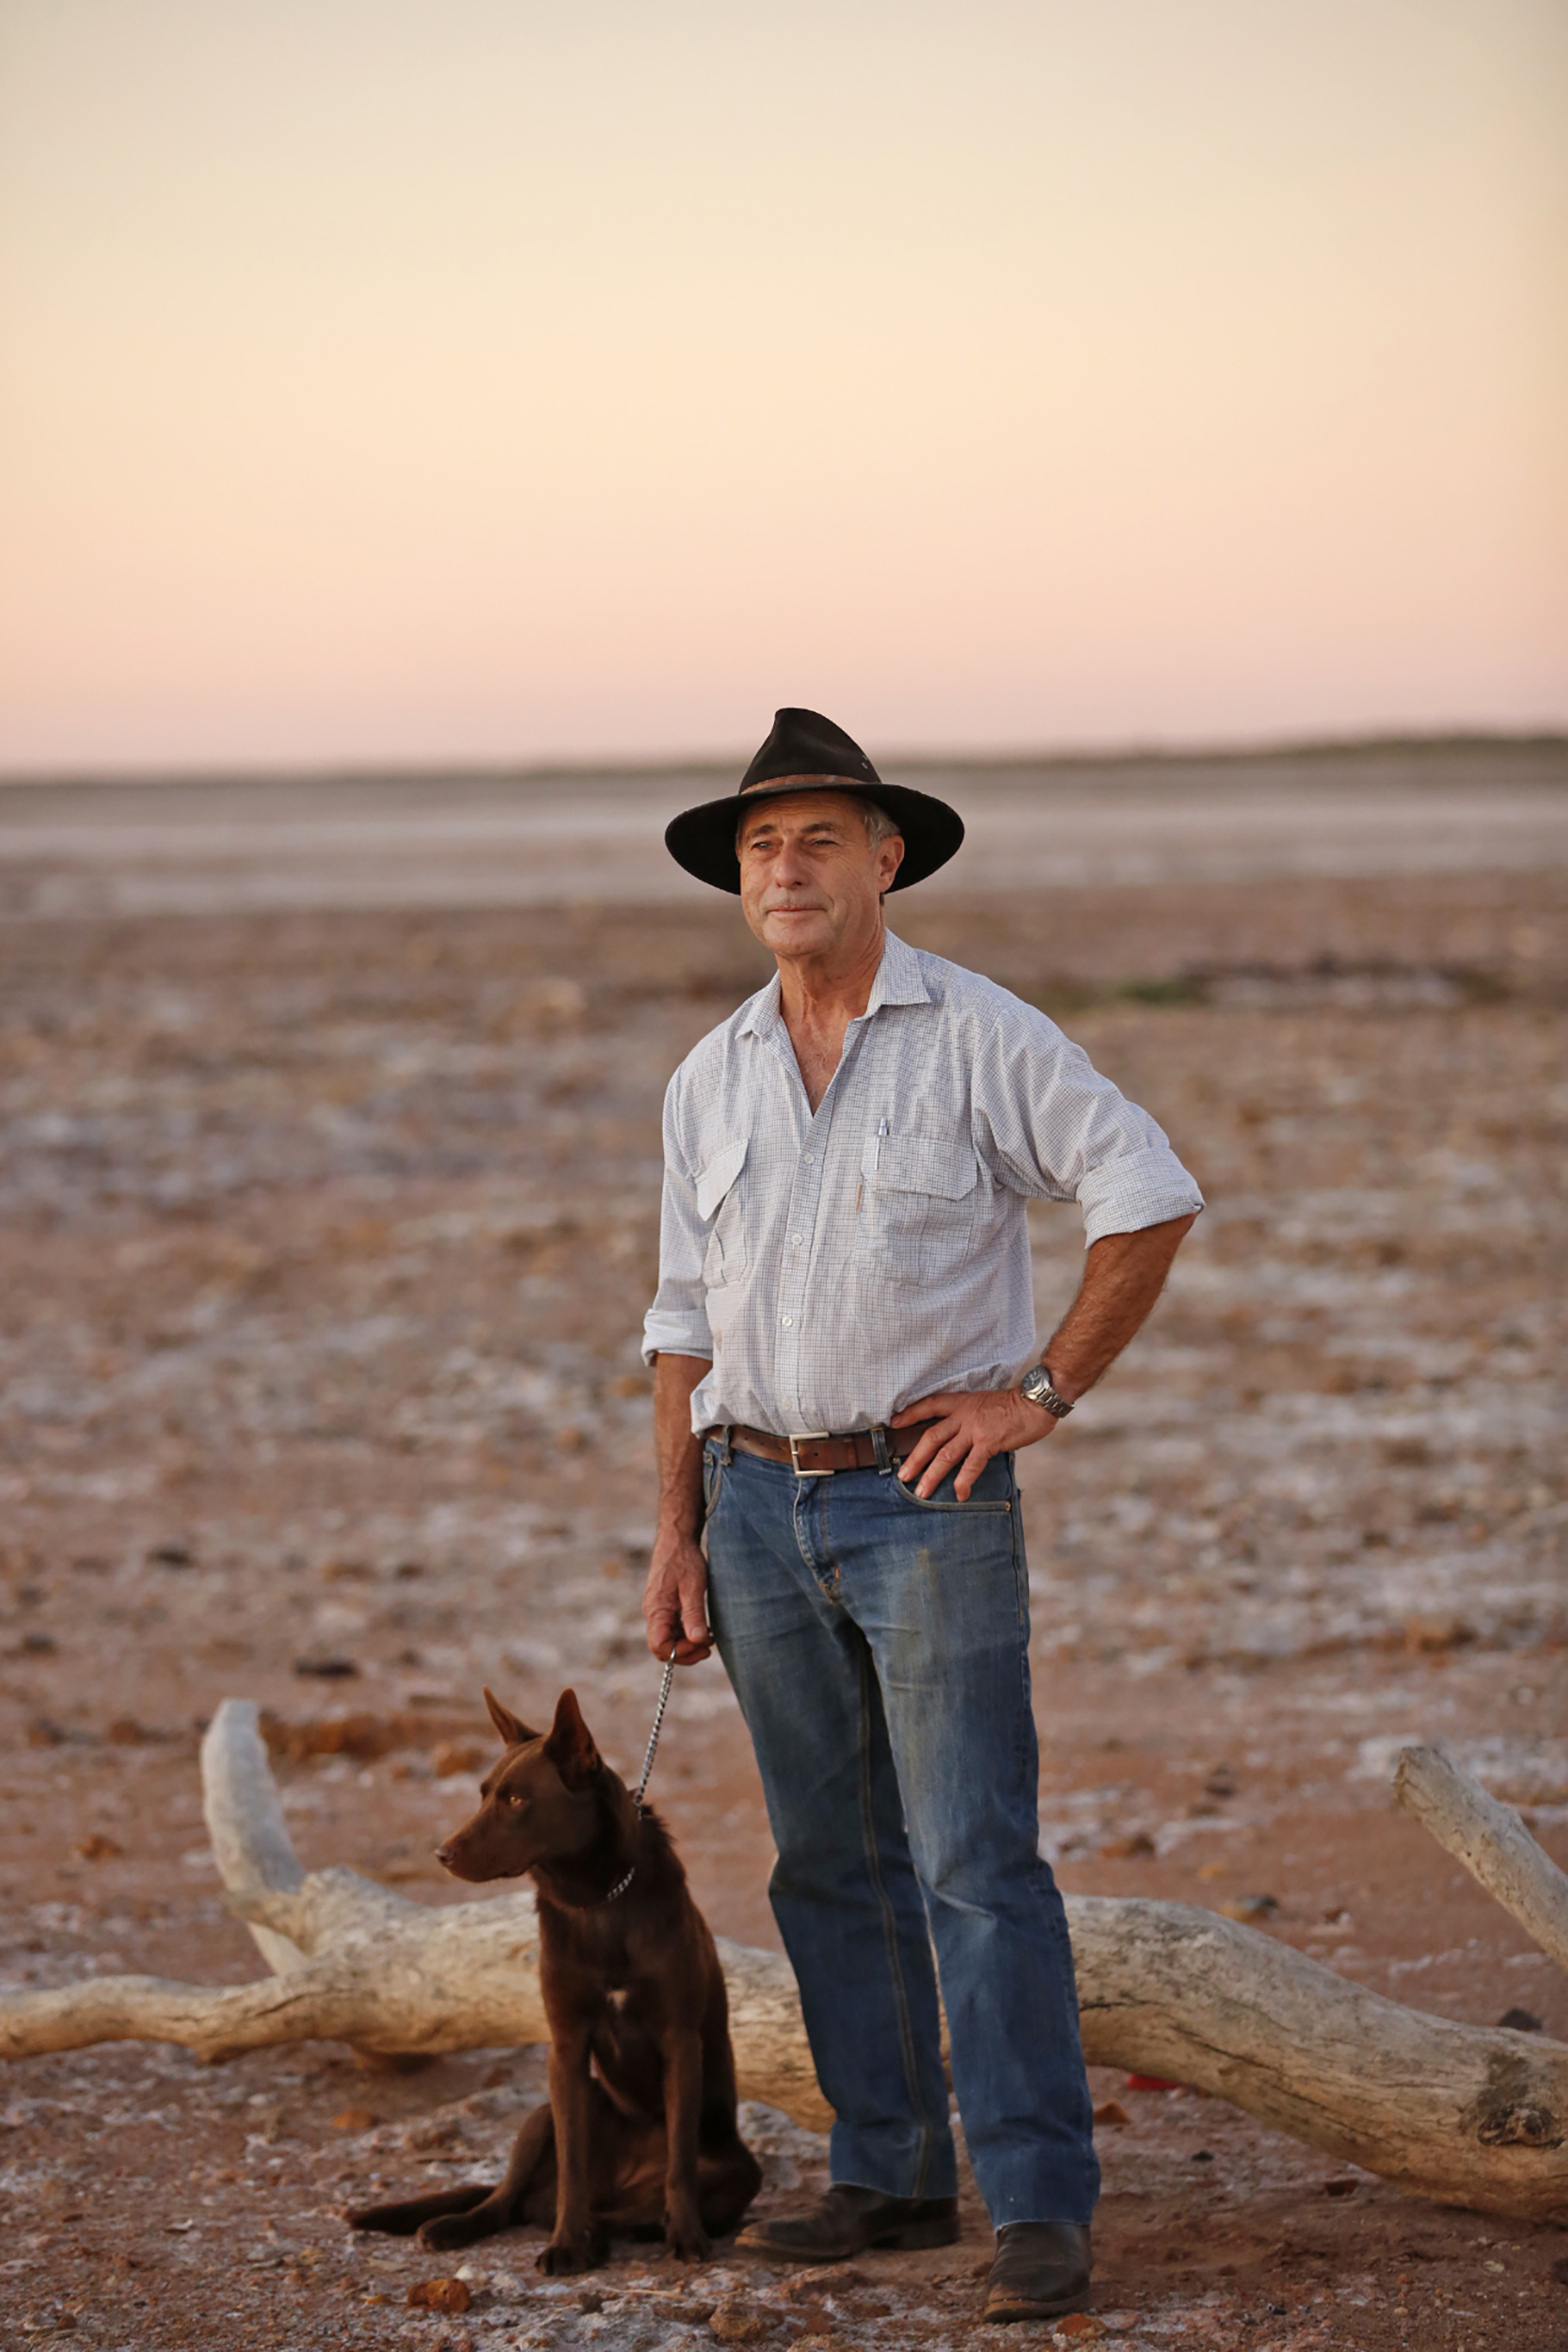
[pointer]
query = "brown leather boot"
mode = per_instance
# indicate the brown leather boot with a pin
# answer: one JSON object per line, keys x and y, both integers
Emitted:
{"x": 1042, "y": 2269}
{"x": 851, "y": 2220}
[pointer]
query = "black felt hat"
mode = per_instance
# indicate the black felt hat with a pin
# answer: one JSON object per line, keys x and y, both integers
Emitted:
{"x": 806, "y": 752}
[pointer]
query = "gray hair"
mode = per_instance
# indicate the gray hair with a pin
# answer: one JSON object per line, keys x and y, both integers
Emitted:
{"x": 879, "y": 825}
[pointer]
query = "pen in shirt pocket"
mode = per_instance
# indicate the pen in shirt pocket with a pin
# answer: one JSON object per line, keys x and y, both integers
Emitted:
{"x": 876, "y": 1162}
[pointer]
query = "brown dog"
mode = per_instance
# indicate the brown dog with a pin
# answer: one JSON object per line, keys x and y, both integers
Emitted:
{"x": 640, "y": 2127}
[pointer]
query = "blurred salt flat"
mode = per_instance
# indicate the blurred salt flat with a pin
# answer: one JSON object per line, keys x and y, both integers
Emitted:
{"x": 148, "y": 848}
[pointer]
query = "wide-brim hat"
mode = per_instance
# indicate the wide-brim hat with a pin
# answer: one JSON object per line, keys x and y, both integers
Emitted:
{"x": 806, "y": 752}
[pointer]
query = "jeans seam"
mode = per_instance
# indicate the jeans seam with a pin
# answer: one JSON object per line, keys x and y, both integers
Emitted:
{"x": 809, "y": 1494}
{"x": 890, "y": 1925}
{"x": 958, "y": 1510}
{"x": 1026, "y": 1707}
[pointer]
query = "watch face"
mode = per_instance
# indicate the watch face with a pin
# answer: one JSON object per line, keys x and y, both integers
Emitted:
{"x": 1038, "y": 1386}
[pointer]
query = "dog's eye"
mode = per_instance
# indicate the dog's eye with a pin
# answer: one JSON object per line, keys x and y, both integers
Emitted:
{"x": 515, "y": 1796}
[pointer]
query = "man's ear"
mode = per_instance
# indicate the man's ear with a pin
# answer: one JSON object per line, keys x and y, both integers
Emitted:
{"x": 570, "y": 1743}
{"x": 891, "y": 846}
{"x": 515, "y": 1733}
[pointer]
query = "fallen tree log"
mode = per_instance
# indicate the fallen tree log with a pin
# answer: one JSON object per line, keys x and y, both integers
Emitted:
{"x": 1490, "y": 1839}
{"x": 1471, "y": 2116}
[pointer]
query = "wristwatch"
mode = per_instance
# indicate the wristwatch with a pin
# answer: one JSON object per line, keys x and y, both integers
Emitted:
{"x": 1037, "y": 1386}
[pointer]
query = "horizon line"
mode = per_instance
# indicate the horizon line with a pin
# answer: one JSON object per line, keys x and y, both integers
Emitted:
{"x": 1228, "y": 750}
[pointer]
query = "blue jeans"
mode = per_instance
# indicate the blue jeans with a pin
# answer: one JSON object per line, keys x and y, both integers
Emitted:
{"x": 878, "y": 1647}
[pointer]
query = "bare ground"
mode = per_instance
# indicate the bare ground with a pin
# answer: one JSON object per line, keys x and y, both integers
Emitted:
{"x": 327, "y": 1239}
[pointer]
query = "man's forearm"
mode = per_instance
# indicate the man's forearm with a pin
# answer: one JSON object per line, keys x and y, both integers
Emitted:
{"x": 679, "y": 1453}
{"x": 674, "y": 1597}
{"x": 1123, "y": 1276}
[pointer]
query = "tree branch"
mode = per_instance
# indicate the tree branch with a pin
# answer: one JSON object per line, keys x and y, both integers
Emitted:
{"x": 1490, "y": 1839}
{"x": 1472, "y": 2116}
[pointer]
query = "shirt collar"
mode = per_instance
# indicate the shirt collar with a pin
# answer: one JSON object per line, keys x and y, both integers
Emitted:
{"x": 898, "y": 981}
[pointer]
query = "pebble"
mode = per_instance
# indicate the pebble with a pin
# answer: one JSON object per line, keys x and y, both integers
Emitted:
{"x": 440, "y": 2294}
{"x": 735, "y": 2321}
{"x": 1250, "y": 1907}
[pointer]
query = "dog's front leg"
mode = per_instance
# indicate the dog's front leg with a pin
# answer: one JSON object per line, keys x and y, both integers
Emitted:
{"x": 574, "y": 2246}
{"x": 683, "y": 2104}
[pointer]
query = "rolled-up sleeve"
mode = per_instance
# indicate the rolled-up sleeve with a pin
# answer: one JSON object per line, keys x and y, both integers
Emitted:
{"x": 676, "y": 1323}
{"x": 1133, "y": 1190}
{"x": 1052, "y": 1127}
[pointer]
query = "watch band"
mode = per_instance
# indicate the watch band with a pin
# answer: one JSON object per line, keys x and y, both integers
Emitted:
{"x": 1038, "y": 1385}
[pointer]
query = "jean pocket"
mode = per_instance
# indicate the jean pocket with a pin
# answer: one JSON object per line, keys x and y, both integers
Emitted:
{"x": 997, "y": 1472}
{"x": 713, "y": 1480}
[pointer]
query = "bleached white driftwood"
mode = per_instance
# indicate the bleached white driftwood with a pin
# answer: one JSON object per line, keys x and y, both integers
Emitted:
{"x": 1491, "y": 1841}
{"x": 1471, "y": 2115}
{"x": 246, "y": 1827}
{"x": 1459, "y": 2112}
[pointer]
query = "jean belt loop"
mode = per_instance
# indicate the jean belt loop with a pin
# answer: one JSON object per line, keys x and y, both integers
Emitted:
{"x": 721, "y": 1440}
{"x": 879, "y": 1446}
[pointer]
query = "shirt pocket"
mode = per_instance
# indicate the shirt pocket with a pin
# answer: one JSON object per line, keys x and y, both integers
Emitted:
{"x": 919, "y": 1198}
{"x": 722, "y": 1206}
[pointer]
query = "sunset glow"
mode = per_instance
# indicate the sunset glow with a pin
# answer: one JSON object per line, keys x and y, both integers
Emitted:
{"x": 496, "y": 381}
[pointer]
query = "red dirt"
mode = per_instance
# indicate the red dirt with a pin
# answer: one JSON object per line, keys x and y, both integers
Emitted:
{"x": 329, "y": 1239}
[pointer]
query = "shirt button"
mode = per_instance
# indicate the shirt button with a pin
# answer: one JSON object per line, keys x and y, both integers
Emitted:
{"x": 808, "y": 1158}
{"x": 787, "y": 1321}
{"x": 797, "y": 1239}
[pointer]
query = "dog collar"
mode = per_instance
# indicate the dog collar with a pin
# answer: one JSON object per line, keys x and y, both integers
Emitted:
{"x": 620, "y": 1886}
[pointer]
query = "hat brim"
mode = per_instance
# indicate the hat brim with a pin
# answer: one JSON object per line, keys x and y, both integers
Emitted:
{"x": 702, "y": 839}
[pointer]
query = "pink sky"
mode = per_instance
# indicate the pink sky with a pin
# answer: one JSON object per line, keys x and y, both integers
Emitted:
{"x": 385, "y": 382}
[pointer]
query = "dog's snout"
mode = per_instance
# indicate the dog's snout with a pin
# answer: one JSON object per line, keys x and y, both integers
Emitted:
{"x": 443, "y": 1853}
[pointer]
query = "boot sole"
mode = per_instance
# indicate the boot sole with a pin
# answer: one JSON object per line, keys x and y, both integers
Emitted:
{"x": 1031, "y": 2307}
{"x": 910, "y": 2238}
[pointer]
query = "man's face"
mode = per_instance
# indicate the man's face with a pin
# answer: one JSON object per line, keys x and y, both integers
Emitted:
{"x": 810, "y": 883}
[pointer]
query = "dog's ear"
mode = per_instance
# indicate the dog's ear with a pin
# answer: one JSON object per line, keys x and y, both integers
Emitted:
{"x": 570, "y": 1743}
{"x": 516, "y": 1734}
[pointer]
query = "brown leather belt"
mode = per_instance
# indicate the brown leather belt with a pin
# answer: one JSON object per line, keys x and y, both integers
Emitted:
{"x": 818, "y": 1455}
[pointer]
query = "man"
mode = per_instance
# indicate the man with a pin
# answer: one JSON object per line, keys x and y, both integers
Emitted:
{"x": 845, "y": 1345}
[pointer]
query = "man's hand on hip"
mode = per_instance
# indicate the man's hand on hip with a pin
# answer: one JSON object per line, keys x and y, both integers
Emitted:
{"x": 1122, "y": 1277}
{"x": 674, "y": 1600}
{"x": 969, "y": 1429}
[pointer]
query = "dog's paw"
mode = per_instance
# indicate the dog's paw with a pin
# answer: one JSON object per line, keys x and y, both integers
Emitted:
{"x": 560, "y": 2262}
{"x": 395, "y": 2220}
{"x": 689, "y": 2244}
{"x": 451, "y": 2231}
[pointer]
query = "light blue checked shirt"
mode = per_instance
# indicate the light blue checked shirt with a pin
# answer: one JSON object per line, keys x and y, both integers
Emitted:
{"x": 836, "y": 1267}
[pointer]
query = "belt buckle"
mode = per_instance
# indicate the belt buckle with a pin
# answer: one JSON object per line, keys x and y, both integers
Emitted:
{"x": 805, "y": 1437}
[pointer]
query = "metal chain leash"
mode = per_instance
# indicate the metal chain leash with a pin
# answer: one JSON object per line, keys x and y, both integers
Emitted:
{"x": 641, "y": 1789}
